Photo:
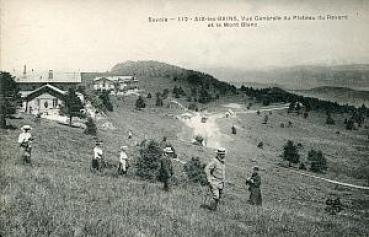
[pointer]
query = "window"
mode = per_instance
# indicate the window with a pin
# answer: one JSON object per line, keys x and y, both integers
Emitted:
{"x": 46, "y": 104}
{"x": 55, "y": 103}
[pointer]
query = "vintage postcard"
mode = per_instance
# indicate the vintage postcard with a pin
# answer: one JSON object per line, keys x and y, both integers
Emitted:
{"x": 184, "y": 118}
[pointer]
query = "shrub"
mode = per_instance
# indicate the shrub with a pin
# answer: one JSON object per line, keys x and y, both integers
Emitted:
{"x": 195, "y": 171}
{"x": 149, "y": 96}
{"x": 290, "y": 153}
{"x": 260, "y": 145}
{"x": 159, "y": 100}
{"x": 90, "y": 127}
{"x": 198, "y": 140}
{"x": 306, "y": 114}
{"x": 318, "y": 161}
{"x": 329, "y": 120}
{"x": 148, "y": 164}
{"x": 140, "y": 103}
{"x": 193, "y": 106}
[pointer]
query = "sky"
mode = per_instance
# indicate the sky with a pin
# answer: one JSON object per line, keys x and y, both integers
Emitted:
{"x": 94, "y": 35}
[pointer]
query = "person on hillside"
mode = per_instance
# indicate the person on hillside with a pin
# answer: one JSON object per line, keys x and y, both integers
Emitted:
{"x": 166, "y": 168}
{"x": 98, "y": 156}
{"x": 25, "y": 141}
{"x": 215, "y": 173}
{"x": 234, "y": 130}
{"x": 254, "y": 183}
{"x": 130, "y": 134}
{"x": 123, "y": 160}
{"x": 164, "y": 143}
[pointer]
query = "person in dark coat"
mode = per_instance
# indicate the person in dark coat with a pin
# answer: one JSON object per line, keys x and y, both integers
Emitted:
{"x": 166, "y": 168}
{"x": 164, "y": 144}
{"x": 254, "y": 183}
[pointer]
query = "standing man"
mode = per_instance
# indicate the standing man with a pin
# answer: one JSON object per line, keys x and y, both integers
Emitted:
{"x": 123, "y": 160}
{"x": 254, "y": 183}
{"x": 164, "y": 144}
{"x": 166, "y": 168}
{"x": 25, "y": 142}
{"x": 97, "y": 158}
{"x": 215, "y": 172}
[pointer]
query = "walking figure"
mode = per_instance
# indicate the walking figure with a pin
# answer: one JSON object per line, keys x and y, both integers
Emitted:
{"x": 97, "y": 158}
{"x": 25, "y": 141}
{"x": 215, "y": 172}
{"x": 123, "y": 160}
{"x": 166, "y": 168}
{"x": 254, "y": 183}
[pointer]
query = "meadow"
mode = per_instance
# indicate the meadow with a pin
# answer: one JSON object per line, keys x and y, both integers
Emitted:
{"x": 60, "y": 196}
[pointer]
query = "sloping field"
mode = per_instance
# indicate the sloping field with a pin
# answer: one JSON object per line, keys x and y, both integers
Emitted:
{"x": 59, "y": 196}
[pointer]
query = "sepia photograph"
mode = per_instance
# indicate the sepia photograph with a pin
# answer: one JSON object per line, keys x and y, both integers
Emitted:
{"x": 196, "y": 118}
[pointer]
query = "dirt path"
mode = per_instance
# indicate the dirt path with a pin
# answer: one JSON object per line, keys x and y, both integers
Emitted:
{"x": 331, "y": 181}
{"x": 210, "y": 130}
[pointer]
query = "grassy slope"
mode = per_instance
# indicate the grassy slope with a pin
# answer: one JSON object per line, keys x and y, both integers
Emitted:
{"x": 60, "y": 197}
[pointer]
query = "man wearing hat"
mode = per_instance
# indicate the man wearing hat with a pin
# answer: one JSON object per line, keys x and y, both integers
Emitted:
{"x": 123, "y": 160}
{"x": 25, "y": 142}
{"x": 97, "y": 158}
{"x": 166, "y": 168}
{"x": 215, "y": 172}
{"x": 254, "y": 183}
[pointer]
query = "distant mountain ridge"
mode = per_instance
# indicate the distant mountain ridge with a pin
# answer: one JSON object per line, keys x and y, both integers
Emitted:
{"x": 195, "y": 83}
{"x": 341, "y": 95}
{"x": 355, "y": 76}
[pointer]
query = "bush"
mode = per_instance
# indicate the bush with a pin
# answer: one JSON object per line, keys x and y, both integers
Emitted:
{"x": 318, "y": 161}
{"x": 195, "y": 171}
{"x": 91, "y": 128}
{"x": 148, "y": 164}
{"x": 260, "y": 145}
{"x": 140, "y": 103}
{"x": 149, "y": 96}
{"x": 330, "y": 120}
{"x": 290, "y": 153}
{"x": 193, "y": 106}
{"x": 198, "y": 140}
{"x": 159, "y": 100}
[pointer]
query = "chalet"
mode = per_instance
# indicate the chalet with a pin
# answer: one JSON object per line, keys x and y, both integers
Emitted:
{"x": 46, "y": 99}
{"x": 116, "y": 83}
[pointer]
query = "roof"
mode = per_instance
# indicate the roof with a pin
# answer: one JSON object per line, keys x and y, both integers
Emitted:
{"x": 45, "y": 89}
{"x": 116, "y": 78}
{"x": 43, "y": 77}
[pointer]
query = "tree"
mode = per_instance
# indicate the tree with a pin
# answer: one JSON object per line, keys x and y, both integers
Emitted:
{"x": 159, "y": 100}
{"x": 329, "y": 120}
{"x": 290, "y": 153}
{"x": 140, "y": 103}
{"x": 195, "y": 171}
{"x": 148, "y": 164}
{"x": 105, "y": 98}
{"x": 8, "y": 97}
{"x": 73, "y": 105}
{"x": 90, "y": 127}
{"x": 149, "y": 95}
{"x": 318, "y": 161}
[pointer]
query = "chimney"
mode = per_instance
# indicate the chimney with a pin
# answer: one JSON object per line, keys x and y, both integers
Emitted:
{"x": 24, "y": 70}
{"x": 51, "y": 74}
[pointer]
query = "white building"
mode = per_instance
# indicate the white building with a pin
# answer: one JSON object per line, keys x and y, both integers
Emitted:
{"x": 46, "y": 99}
{"x": 116, "y": 84}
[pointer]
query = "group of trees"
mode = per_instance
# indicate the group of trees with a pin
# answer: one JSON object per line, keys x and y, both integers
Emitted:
{"x": 318, "y": 162}
{"x": 277, "y": 95}
{"x": 8, "y": 97}
{"x": 178, "y": 92}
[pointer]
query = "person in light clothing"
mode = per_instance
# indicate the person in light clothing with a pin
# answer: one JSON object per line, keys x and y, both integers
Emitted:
{"x": 97, "y": 158}
{"x": 25, "y": 141}
{"x": 123, "y": 160}
{"x": 215, "y": 172}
